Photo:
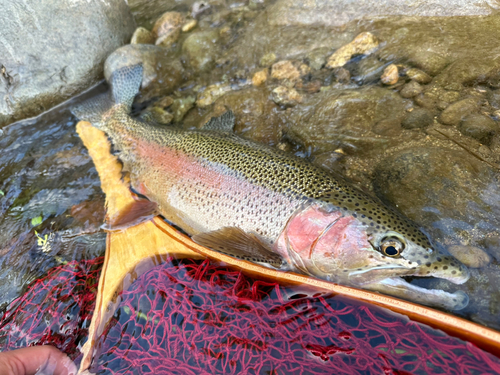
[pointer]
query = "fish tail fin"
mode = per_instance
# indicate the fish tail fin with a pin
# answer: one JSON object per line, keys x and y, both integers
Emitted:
{"x": 125, "y": 84}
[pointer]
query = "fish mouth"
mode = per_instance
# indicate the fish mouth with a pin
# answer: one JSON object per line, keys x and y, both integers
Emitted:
{"x": 398, "y": 287}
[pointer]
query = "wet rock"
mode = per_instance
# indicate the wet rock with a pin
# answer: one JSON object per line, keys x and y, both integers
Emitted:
{"x": 285, "y": 70}
{"x": 419, "y": 118}
{"x": 418, "y": 76}
{"x": 343, "y": 119}
{"x": 494, "y": 99}
{"x": 317, "y": 57}
{"x": 469, "y": 71}
{"x": 430, "y": 62}
{"x": 411, "y": 89}
{"x": 162, "y": 73}
{"x": 268, "y": 59}
{"x": 142, "y": 36}
{"x": 480, "y": 127}
{"x": 471, "y": 256}
{"x": 211, "y": 94}
{"x": 454, "y": 195}
{"x": 201, "y": 49}
{"x": 46, "y": 59}
{"x": 390, "y": 127}
{"x": 455, "y": 112}
{"x": 260, "y": 77}
{"x": 390, "y": 75}
{"x": 199, "y": 8}
{"x": 341, "y": 12}
{"x": 181, "y": 106}
{"x": 189, "y": 25}
{"x": 342, "y": 75}
{"x": 364, "y": 44}
{"x": 309, "y": 87}
{"x": 167, "y": 28}
{"x": 492, "y": 245}
{"x": 286, "y": 96}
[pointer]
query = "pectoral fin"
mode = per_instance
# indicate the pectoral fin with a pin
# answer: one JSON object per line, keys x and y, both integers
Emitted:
{"x": 235, "y": 242}
{"x": 134, "y": 214}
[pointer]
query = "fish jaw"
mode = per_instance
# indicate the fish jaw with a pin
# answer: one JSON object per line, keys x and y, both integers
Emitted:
{"x": 325, "y": 242}
{"x": 398, "y": 287}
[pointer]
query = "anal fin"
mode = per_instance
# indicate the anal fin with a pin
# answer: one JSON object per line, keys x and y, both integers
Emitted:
{"x": 235, "y": 242}
{"x": 135, "y": 213}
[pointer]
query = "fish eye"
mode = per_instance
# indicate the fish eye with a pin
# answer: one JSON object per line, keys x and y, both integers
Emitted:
{"x": 392, "y": 247}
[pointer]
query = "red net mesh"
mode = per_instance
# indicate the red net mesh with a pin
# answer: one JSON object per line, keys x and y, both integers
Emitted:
{"x": 194, "y": 317}
{"x": 55, "y": 310}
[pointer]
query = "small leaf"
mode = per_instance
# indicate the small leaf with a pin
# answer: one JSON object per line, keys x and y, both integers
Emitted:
{"x": 36, "y": 221}
{"x": 2, "y": 193}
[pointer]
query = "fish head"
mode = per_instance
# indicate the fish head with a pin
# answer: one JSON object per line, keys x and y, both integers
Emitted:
{"x": 339, "y": 246}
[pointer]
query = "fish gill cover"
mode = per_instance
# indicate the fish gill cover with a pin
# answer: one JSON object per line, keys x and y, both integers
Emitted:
{"x": 195, "y": 317}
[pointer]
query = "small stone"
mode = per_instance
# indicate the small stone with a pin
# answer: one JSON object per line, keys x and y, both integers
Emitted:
{"x": 389, "y": 127}
{"x": 310, "y": 87}
{"x": 181, "y": 106}
{"x": 411, "y": 89}
{"x": 471, "y": 256}
{"x": 167, "y": 28}
{"x": 201, "y": 49}
{"x": 199, "y": 8}
{"x": 363, "y": 44}
{"x": 317, "y": 58}
{"x": 160, "y": 115}
{"x": 211, "y": 94}
{"x": 304, "y": 69}
{"x": 390, "y": 75}
{"x": 419, "y": 118}
{"x": 189, "y": 25}
{"x": 286, "y": 96}
{"x": 418, "y": 76}
{"x": 142, "y": 36}
{"x": 260, "y": 77}
{"x": 455, "y": 112}
{"x": 268, "y": 59}
{"x": 165, "y": 102}
{"x": 285, "y": 70}
{"x": 479, "y": 127}
{"x": 342, "y": 75}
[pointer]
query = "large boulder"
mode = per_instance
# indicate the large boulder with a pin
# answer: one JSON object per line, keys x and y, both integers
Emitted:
{"x": 53, "y": 49}
{"x": 340, "y": 12}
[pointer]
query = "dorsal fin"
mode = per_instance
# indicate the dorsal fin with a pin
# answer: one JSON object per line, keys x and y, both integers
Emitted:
{"x": 235, "y": 242}
{"x": 223, "y": 123}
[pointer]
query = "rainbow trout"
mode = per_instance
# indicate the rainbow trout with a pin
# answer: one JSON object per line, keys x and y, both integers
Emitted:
{"x": 261, "y": 204}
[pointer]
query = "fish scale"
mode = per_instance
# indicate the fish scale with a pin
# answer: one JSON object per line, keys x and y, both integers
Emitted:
{"x": 259, "y": 203}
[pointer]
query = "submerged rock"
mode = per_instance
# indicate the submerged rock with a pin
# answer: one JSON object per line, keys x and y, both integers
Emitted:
{"x": 450, "y": 192}
{"x": 471, "y": 256}
{"x": 142, "y": 36}
{"x": 364, "y": 44}
{"x": 480, "y": 127}
{"x": 201, "y": 49}
{"x": 417, "y": 119}
{"x": 342, "y": 118}
{"x": 455, "y": 112}
{"x": 46, "y": 59}
{"x": 167, "y": 28}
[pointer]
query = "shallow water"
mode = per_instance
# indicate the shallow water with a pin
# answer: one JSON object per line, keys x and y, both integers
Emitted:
{"x": 49, "y": 185}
